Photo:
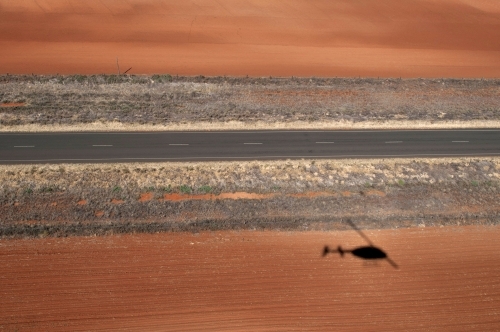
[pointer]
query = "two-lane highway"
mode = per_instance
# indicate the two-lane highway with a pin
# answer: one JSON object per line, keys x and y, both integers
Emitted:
{"x": 25, "y": 148}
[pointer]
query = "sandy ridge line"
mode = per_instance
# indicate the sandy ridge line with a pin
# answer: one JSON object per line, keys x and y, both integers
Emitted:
{"x": 239, "y": 125}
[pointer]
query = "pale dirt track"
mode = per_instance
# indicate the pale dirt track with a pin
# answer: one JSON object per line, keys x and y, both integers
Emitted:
{"x": 388, "y": 38}
{"x": 449, "y": 280}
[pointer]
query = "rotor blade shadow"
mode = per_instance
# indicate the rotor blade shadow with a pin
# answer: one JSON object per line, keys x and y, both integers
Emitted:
{"x": 365, "y": 252}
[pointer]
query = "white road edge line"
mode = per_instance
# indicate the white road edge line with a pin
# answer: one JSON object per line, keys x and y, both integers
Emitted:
{"x": 460, "y": 141}
{"x": 24, "y": 146}
{"x": 178, "y": 144}
{"x": 393, "y": 142}
{"x": 102, "y": 145}
{"x": 325, "y": 142}
{"x": 252, "y": 143}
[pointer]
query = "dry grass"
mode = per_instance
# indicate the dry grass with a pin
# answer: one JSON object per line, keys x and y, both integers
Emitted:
{"x": 291, "y": 176}
{"x": 258, "y": 125}
{"x": 299, "y": 194}
{"x": 98, "y": 103}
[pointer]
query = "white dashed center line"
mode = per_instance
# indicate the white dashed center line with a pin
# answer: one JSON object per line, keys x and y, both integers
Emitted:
{"x": 251, "y": 143}
{"x": 325, "y": 142}
{"x": 178, "y": 144}
{"x": 99, "y": 145}
{"x": 460, "y": 141}
{"x": 393, "y": 142}
{"x": 24, "y": 146}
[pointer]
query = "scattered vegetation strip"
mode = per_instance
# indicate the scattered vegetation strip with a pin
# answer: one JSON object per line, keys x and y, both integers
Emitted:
{"x": 164, "y": 102}
{"x": 387, "y": 193}
{"x": 129, "y": 180}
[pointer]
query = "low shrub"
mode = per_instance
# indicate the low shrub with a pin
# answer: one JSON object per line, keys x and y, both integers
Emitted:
{"x": 205, "y": 189}
{"x": 185, "y": 189}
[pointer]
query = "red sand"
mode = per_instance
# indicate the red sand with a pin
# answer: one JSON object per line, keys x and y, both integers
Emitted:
{"x": 449, "y": 280}
{"x": 373, "y": 192}
{"x": 235, "y": 195}
{"x": 12, "y": 104}
{"x": 311, "y": 194}
{"x": 414, "y": 38}
{"x": 145, "y": 197}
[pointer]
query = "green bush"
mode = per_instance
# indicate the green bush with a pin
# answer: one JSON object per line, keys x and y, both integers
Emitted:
{"x": 185, "y": 189}
{"x": 205, "y": 189}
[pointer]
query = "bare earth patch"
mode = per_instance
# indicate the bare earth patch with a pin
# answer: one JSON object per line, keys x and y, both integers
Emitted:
{"x": 146, "y": 197}
{"x": 253, "y": 281}
{"x": 243, "y": 195}
{"x": 374, "y": 193}
{"x": 8, "y": 105}
{"x": 236, "y": 195}
{"x": 311, "y": 194}
{"x": 452, "y": 38}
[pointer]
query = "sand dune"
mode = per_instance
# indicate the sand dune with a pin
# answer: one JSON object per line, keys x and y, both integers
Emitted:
{"x": 414, "y": 38}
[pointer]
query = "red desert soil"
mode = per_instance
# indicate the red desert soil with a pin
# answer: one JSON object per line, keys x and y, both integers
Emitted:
{"x": 245, "y": 195}
{"x": 374, "y": 192}
{"x": 416, "y": 38}
{"x": 12, "y": 104}
{"x": 448, "y": 280}
{"x": 146, "y": 197}
{"x": 311, "y": 194}
{"x": 236, "y": 195}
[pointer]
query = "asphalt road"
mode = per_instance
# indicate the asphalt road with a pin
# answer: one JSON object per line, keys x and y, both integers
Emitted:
{"x": 26, "y": 148}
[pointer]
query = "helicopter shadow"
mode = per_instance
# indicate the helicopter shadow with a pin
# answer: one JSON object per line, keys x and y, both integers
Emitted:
{"x": 370, "y": 253}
